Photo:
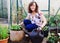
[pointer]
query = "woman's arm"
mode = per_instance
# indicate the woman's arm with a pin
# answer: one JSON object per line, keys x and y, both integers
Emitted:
{"x": 21, "y": 23}
{"x": 25, "y": 18}
{"x": 28, "y": 16}
{"x": 44, "y": 21}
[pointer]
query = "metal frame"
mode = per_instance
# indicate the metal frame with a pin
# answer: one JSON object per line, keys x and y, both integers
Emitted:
{"x": 10, "y": 12}
{"x": 17, "y": 11}
{"x": 2, "y": 7}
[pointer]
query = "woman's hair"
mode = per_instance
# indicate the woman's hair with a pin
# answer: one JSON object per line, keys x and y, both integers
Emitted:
{"x": 29, "y": 9}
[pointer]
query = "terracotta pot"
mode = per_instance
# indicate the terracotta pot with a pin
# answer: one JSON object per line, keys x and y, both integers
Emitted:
{"x": 4, "y": 41}
{"x": 16, "y": 35}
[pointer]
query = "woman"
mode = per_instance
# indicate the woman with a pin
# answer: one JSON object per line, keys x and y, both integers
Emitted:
{"x": 34, "y": 19}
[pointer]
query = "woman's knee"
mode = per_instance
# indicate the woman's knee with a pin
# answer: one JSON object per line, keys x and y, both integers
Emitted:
{"x": 31, "y": 26}
{"x": 26, "y": 22}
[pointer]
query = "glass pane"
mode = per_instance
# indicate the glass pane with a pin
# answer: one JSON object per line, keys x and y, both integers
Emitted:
{"x": 3, "y": 12}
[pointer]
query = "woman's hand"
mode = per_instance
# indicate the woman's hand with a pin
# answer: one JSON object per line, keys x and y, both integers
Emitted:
{"x": 21, "y": 23}
{"x": 39, "y": 28}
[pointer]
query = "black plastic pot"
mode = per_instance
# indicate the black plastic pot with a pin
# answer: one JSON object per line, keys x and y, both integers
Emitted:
{"x": 37, "y": 39}
{"x": 45, "y": 33}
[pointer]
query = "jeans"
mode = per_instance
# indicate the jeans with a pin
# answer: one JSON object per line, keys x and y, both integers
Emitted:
{"x": 34, "y": 36}
{"x": 29, "y": 26}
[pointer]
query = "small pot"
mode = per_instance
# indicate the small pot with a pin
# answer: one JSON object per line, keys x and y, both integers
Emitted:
{"x": 45, "y": 33}
{"x": 37, "y": 39}
{"x": 16, "y": 35}
{"x": 4, "y": 40}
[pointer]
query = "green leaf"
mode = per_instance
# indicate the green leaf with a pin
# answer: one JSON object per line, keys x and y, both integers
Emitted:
{"x": 3, "y": 32}
{"x": 16, "y": 27}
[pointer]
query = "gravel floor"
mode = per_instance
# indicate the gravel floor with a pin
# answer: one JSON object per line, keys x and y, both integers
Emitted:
{"x": 26, "y": 40}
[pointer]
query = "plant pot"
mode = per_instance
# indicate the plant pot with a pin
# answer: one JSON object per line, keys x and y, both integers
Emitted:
{"x": 16, "y": 35}
{"x": 4, "y": 40}
{"x": 37, "y": 39}
{"x": 45, "y": 33}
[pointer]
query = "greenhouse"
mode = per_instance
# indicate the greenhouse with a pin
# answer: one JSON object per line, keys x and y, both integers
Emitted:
{"x": 40, "y": 21}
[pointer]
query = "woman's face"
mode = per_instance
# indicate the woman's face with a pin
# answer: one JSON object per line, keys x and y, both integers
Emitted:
{"x": 33, "y": 7}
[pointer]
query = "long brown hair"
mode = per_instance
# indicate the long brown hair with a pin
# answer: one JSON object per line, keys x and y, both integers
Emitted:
{"x": 29, "y": 9}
